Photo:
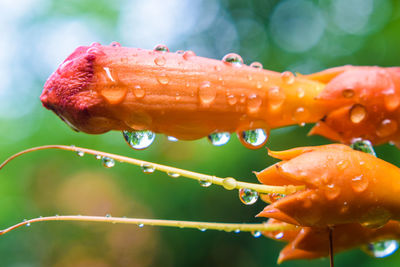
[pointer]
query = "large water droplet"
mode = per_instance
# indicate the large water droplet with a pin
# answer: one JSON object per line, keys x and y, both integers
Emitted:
{"x": 253, "y": 103}
{"x": 219, "y": 139}
{"x": 229, "y": 183}
{"x": 161, "y": 48}
{"x": 160, "y": 61}
{"x": 359, "y": 183}
{"x": 233, "y": 59}
{"x": 392, "y": 101}
{"x": 256, "y": 65}
{"x": 288, "y": 77}
{"x": 254, "y": 138}
{"x": 357, "y": 113}
{"x": 205, "y": 182}
{"x": 147, "y": 168}
{"x": 138, "y": 91}
{"x": 381, "y": 249}
{"x": 386, "y": 128}
{"x": 248, "y": 196}
{"x": 256, "y": 234}
{"x": 207, "y": 93}
{"x": 139, "y": 139}
{"x": 363, "y": 145}
{"x": 115, "y": 44}
{"x": 348, "y": 93}
{"x": 108, "y": 162}
{"x": 276, "y": 97}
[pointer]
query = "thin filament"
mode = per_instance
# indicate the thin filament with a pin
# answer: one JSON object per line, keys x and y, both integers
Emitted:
{"x": 228, "y": 183}
{"x": 228, "y": 227}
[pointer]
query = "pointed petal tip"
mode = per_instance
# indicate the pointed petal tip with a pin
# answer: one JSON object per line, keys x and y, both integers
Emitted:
{"x": 272, "y": 212}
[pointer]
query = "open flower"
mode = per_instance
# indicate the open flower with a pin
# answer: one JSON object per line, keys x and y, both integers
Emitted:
{"x": 313, "y": 242}
{"x": 342, "y": 186}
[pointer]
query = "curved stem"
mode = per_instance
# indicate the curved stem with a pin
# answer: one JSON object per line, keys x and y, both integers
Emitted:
{"x": 228, "y": 183}
{"x": 228, "y": 227}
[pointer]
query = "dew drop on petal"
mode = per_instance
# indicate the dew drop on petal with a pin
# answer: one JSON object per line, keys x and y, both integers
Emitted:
{"x": 163, "y": 79}
{"x": 276, "y": 97}
{"x": 256, "y": 65}
{"x": 381, "y": 249}
{"x": 233, "y": 59}
{"x": 357, "y": 113}
{"x": 172, "y": 139}
{"x": 147, "y": 168}
{"x": 108, "y": 162}
{"x": 253, "y": 103}
{"x": 219, "y": 139}
{"x": 207, "y": 93}
{"x": 161, "y": 48}
{"x": 392, "y": 101}
{"x": 248, "y": 196}
{"x": 256, "y": 234}
{"x": 288, "y": 77}
{"x": 232, "y": 100}
{"x": 173, "y": 174}
{"x": 160, "y": 61}
{"x": 138, "y": 91}
{"x": 387, "y": 127}
{"x": 359, "y": 183}
{"x": 254, "y": 138}
{"x": 188, "y": 54}
{"x": 348, "y": 93}
{"x": 115, "y": 44}
{"x": 139, "y": 139}
{"x": 331, "y": 191}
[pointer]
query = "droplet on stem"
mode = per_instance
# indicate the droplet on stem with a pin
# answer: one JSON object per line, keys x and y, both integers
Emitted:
{"x": 108, "y": 162}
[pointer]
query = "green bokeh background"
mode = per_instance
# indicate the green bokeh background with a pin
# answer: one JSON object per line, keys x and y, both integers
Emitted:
{"x": 36, "y": 35}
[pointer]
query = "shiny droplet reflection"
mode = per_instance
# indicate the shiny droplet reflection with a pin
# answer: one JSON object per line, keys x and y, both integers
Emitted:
{"x": 381, "y": 249}
{"x": 233, "y": 58}
{"x": 256, "y": 234}
{"x": 147, "y": 168}
{"x": 108, "y": 162}
{"x": 363, "y": 145}
{"x": 254, "y": 138}
{"x": 205, "y": 182}
{"x": 256, "y": 65}
{"x": 219, "y": 139}
{"x": 173, "y": 174}
{"x": 161, "y": 48}
{"x": 172, "y": 139}
{"x": 139, "y": 139}
{"x": 248, "y": 196}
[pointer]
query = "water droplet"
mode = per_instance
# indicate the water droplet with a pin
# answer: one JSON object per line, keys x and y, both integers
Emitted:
{"x": 301, "y": 115}
{"x": 359, "y": 183}
{"x": 256, "y": 234}
{"x": 173, "y": 174}
{"x": 80, "y": 153}
{"x": 205, "y": 182}
{"x": 163, "y": 79}
{"x": 27, "y": 224}
{"x": 357, "y": 113}
{"x": 108, "y": 215}
{"x": 279, "y": 235}
{"x": 139, "y": 139}
{"x": 232, "y": 100}
{"x": 331, "y": 191}
{"x": 233, "y": 59}
{"x": 237, "y": 231}
{"x": 147, "y": 168}
{"x": 381, "y": 249}
{"x": 202, "y": 229}
{"x": 259, "y": 85}
{"x": 300, "y": 92}
{"x": 219, "y": 139}
{"x": 160, "y": 61}
{"x": 392, "y": 101}
{"x": 138, "y": 91}
{"x": 342, "y": 164}
{"x": 249, "y": 77}
{"x": 256, "y": 65}
{"x": 108, "y": 162}
{"x": 188, "y": 54}
{"x": 140, "y": 225}
{"x": 115, "y": 44}
{"x": 363, "y": 145}
{"x": 386, "y": 128}
{"x": 109, "y": 74}
{"x": 276, "y": 97}
{"x": 207, "y": 93}
{"x": 287, "y": 77}
{"x": 95, "y": 44}
{"x": 254, "y": 138}
{"x": 229, "y": 183}
{"x": 348, "y": 93}
{"x": 161, "y": 48}
{"x": 248, "y": 196}
{"x": 97, "y": 156}
{"x": 253, "y": 103}
{"x": 172, "y": 139}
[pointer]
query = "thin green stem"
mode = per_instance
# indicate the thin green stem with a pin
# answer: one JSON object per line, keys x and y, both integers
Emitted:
{"x": 228, "y": 183}
{"x": 228, "y": 227}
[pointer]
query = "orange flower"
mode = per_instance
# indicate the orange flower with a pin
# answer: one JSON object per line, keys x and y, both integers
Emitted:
{"x": 342, "y": 186}
{"x": 102, "y": 88}
{"x": 313, "y": 242}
